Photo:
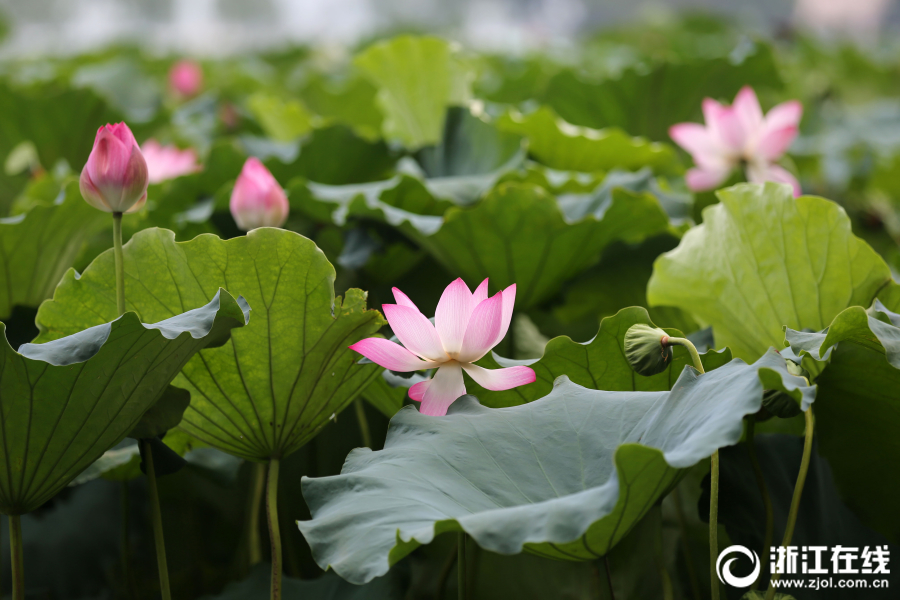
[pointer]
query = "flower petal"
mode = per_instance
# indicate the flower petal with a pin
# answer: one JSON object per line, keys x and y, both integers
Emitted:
{"x": 761, "y": 173}
{"x": 390, "y": 355}
{"x": 403, "y": 300}
{"x": 414, "y": 331}
{"x": 417, "y": 392}
{"x": 484, "y": 326}
{"x": 509, "y": 300}
{"x": 779, "y": 130}
{"x": 700, "y": 180}
{"x": 446, "y": 386}
{"x": 695, "y": 139}
{"x": 452, "y": 315}
{"x": 500, "y": 379}
{"x": 747, "y": 112}
{"x": 480, "y": 294}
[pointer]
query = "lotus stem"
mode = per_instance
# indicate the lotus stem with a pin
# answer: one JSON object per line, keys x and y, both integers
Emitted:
{"x": 257, "y": 488}
{"x": 15, "y": 550}
{"x": 461, "y": 565}
{"x": 120, "y": 263}
{"x": 156, "y": 516}
{"x": 691, "y": 348}
{"x": 363, "y": 422}
{"x": 612, "y": 593}
{"x": 274, "y": 530}
{"x": 798, "y": 492}
{"x": 713, "y": 481}
{"x": 763, "y": 490}
{"x": 126, "y": 555}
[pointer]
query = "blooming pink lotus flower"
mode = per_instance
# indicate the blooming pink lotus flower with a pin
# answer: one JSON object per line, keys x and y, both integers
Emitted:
{"x": 257, "y": 200}
{"x": 466, "y": 326}
{"x": 186, "y": 78}
{"x": 168, "y": 162}
{"x": 114, "y": 179}
{"x": 739, "y": 135}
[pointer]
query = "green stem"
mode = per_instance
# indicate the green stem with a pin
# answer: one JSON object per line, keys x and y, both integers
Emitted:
{"x": 156, "y": 517}
{"x": 461, "y": 565}
{"x": 257, "y": 488}
{"x": 363, "y": 422}
{"x": 695, "y": 356}
{"x": 612, "y": 594}
{"x": 798, "y": 491}
{"x": 713, "y": 481}
{"x": 126, "y": 554}
{"x": 15, "y": 550}
{"x": 763, "y": 490}
{"x": 274, "y": 530}
{"x": 120, "y": 263}
{"x": 445, "y": 573}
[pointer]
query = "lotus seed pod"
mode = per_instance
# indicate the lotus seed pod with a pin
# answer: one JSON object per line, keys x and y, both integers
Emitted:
{"x": 646, "y": 349}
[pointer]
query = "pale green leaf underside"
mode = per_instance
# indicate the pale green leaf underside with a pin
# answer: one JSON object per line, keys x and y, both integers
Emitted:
{"x": 763, "y": 260}
{"x": 36, "y": 248}
{"x": 64, "y": 403}
{"x": 566, "y": 476}
{"x": 858, "y": 410}
{"x": 269, "y": 390}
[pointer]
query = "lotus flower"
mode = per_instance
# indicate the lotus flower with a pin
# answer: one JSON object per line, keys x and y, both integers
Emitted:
{"x": 466, "y": 326}
{"x": 739, "y": 135}
{"x": 168, "y": 162}
{"x": 257, "y": 200}
{"x": 115, "y": 176}
{"x": 186, "y": 78}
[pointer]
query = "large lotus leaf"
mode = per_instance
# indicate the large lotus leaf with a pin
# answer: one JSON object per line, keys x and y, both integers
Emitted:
{"x": 65, "y": 402}
{"x": 520, "y": 234}
{"x": 647, "y": 102}
{"x": 470, "y": 158}
{"x": 599, "y": 364}
{"x": 417, "y": 79}
{"x": 283, "y": 121}
{"x": 763, "y": 260}
{"x": 269, "y": 389}
{"x": 823, "y": 520}
{"x": 60, "y": 122}
{"x": 566, "y": 476}
{"x": 37, "y": 247}
{"x": 859, "y": 414}
{"x": 348, "y": 100}
{"x": 561, "y": 145}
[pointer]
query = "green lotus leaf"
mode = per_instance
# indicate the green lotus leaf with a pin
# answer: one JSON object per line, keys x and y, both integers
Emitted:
{"x": 468, "y": 161}
{"x": 417, "y": 79}
{"x": 566, "y": 476}
{"x": 268, "y": 391}
{"x": 561, "y": 145}
{"x": 647, "y": 102}
{"x": 599, "y": 364}
{"x": 283, "y": 121}
{"x": 857, "y": 359}
{"x": 350, "y": 101}
{"x": 763, "y": 260}
{"x": 38, "y": 246}
{"x": 65, "y": 402}
{"x": 166, "y": 414}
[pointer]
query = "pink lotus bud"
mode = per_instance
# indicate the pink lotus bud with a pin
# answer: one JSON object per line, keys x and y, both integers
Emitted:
{"x": 257, "y": 200}
{"x": 115, "y": 176}
{"x": 186, "y": 78}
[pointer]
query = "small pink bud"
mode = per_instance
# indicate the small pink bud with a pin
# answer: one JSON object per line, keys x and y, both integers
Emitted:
{"x": 186, "y": 78}
{"x": 115, "y": 176}
{"x": 257, "y": 200}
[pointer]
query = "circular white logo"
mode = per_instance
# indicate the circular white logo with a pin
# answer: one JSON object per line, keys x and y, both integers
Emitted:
{"x": 724, "y": 571}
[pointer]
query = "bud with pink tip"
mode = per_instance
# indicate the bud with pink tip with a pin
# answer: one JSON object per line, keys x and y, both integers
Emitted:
{"x": 257, "y": 200}
{"x": 115, "y": 177}
{"x": 186, "y": 78}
